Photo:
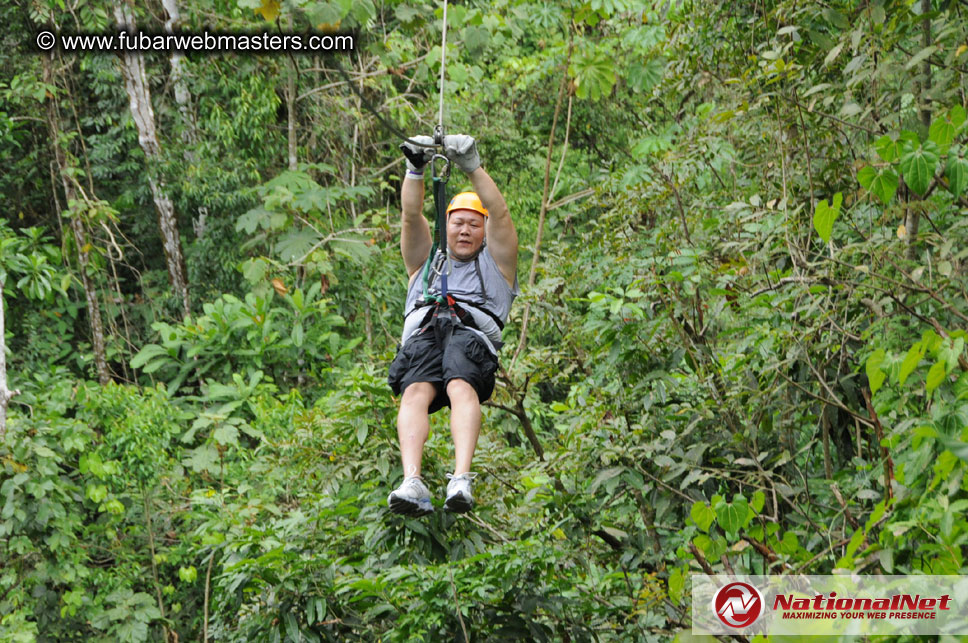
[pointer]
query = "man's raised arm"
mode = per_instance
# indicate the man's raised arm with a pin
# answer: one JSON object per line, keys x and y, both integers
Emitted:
{"x": 415, "y": 237}
{"x": 502, "y": 238}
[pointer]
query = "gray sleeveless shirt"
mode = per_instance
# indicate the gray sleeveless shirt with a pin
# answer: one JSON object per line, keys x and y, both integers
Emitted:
{"x": 463, "y": 283}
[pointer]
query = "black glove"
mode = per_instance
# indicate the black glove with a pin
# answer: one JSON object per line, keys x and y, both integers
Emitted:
{"x": 417, "y": 156}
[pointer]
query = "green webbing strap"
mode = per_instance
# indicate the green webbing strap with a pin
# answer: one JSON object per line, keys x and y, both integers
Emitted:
{"x": 440, "y": 204}
{"x": 440, "y": 231}
{"x": 427, "y": 297}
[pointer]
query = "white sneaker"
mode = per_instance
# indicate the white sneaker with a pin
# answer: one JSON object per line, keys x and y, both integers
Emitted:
{"x": 459, "y": 498}
{"x": 411, "y": 498}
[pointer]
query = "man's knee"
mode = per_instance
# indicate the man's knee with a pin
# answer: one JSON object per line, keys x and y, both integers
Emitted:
{"x": 459, "y": 390}
{"x": 419, "y": 393}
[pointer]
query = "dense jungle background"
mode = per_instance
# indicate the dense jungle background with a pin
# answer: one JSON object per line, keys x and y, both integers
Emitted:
{"x": 740, "y": 345}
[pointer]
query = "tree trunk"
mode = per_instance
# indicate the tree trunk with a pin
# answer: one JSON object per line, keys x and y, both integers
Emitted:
{"x": 5, "y": 394}
{"x": 544, "y": 207}
{"x": 291, "y": 109}
{"x": 79, "y": 231}
{"x": 182, "y": 96}
{"x": 139, "y": 97}
{"x": 291, "y": 115}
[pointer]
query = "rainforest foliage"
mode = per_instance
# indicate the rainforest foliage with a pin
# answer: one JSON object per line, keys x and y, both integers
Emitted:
{"x": 740, "y": 345}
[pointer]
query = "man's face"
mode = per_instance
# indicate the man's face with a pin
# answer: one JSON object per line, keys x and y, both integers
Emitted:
{"x": 465, "y": 233}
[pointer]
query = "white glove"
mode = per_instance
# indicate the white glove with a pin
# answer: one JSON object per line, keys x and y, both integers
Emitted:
{"x": 462, "y": 150}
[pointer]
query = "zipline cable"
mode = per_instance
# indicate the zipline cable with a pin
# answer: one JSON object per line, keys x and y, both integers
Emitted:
{"x": 439, "y": 246}
{"x": 390, "y": 127}
{"x": 443, "y": 56}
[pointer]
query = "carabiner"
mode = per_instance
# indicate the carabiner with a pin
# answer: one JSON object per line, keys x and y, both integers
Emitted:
{"x": 445, "y": 175}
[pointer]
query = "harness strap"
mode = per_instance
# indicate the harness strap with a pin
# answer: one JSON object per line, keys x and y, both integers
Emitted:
{"x": 440, "y": 203}
{"x": 430, "y": 300}
{"x": 463, "y": 316}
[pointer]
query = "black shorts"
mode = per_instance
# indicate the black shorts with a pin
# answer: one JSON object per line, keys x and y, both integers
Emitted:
{"x": 466, "y": 357}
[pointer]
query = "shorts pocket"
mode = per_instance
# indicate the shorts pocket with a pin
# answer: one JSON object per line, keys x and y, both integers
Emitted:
{"x": 399, "y": 367}
{"x": 478, "y": 351}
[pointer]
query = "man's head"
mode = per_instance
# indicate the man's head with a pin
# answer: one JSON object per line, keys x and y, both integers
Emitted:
{"x": 466, "y": 217}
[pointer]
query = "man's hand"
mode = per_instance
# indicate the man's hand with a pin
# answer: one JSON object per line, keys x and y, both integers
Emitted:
{"x": 417, "y": 156}
{"x": 462, "y": 150}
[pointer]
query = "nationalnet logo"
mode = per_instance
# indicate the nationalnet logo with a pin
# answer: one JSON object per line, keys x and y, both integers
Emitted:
{"x": 898, "y": 606}
{"x": 738, "y": 604}
{"x": 834, "y": 605}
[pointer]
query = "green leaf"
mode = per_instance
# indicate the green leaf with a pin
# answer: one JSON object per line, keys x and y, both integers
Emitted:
{"x": 734, "y": 515}
{"x": 642, "y": 78}
{"x": 296, "y": 243}
{"x": 677, "y": 583}
{"x": 187, "y": 574}
{"x": 957, "y": 114}
{"x": 875, "y": 375}
{"x": 878, "y": 14}
{"x": 789, "y": 544}
{"x": 957, "y": 172}
{"x": 203, "y": 458}
{"x": 920, "y": 56}
{"x": 832, "y": 54}
{"x": 882, "y": 183}
{"x": 292, "y": 628}
{"x": 146, "y": 353}
{"x": 713, "y": 549}
{"x": 363, "y": 10}
{"x": 825, "y": 215}
{"x": 97, "y": 493}
{"x": 951, "y": 350}
{"x": 604, "y": 476}
{"x": 594, "y": 75}
{"x": 249, "y": 221}
{"x": 325, "y": 13}
{"x": 476, "y": 39}
{"x": 918, "y": 165}
{"x": 226, "y": 434}
{"x": 855, "y": 542}
{"x": 958, "y": 448}
{"x": 297, "y": 334}
{"x": 935, "y": 376}
{"x": 911, "y": 361}
{"x": 942, "y": 132}
{"x": 406, "y": 14}
{"x": 886, "y": 148}
{"x": 703, "y": 515}
{"x": 885, "y": 185}
{"x": 879, "y": 510}
{"x": 836, "y": 19}
{"x": 254, "y": 270}
{"x": 758, "y": 501}
{"x": 931, "y": 341}
{"x": 866, "y": 176}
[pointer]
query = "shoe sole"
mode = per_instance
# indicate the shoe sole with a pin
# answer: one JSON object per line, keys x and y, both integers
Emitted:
{"x": 458, "y": 504}
{"x": 406, "y": 507}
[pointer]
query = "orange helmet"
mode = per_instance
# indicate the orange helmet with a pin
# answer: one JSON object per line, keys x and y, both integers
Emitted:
{"x": 467, "y": 201}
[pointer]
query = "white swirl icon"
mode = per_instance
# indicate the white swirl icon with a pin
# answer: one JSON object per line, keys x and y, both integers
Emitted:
{"x": 46, "y": 40}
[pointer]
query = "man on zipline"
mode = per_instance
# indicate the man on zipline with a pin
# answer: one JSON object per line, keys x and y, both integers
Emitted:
{"x": 448, "y": 351}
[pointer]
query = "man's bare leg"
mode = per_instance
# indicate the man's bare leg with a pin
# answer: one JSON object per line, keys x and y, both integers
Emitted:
{"x": 465, "y": 423}
{"x": 413, "y": 425}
